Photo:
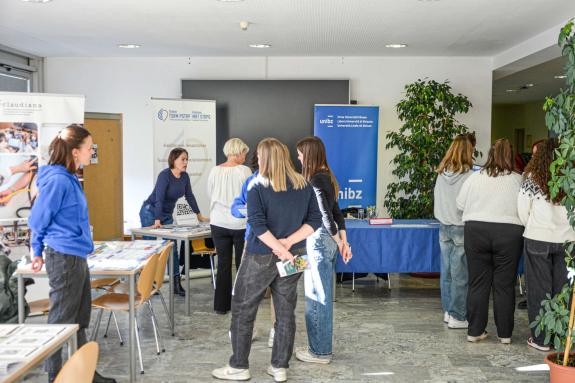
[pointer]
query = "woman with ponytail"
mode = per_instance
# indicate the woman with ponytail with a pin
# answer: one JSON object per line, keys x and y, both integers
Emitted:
{"x": 61, "y": 236}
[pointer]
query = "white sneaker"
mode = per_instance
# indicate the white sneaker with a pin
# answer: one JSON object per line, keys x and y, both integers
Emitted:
{"x": 304, "y": 355}
{"x": 475, "y": 339}
{"x": 455, "y": 324}
{"x": 279, "y": 374}
{"x": 446, "y": 317}
{"x": 505, "y": 340}
{"x": 230, "y": 373}
{"x": 271, "y": 337}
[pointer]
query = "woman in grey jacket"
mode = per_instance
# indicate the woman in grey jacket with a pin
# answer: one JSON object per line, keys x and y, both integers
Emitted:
{"x": 452, "y": 172}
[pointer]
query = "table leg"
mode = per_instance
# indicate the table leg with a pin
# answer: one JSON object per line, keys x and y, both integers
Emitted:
{"x": 133, "y": 237}
{"x": 132, "y": 338}
{"x": 187, "y": 270}
{"x": 171, "y": 297}
{"x": 72, "y": 345}
{"x": 20, "y": 298}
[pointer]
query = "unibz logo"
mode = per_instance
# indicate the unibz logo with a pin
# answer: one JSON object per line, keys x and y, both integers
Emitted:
{"x": 163, "y": 114}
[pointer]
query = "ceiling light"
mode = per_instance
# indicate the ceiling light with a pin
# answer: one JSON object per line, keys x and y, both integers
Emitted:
{"x": 129, "y": 46}
{"x": 530, "y": 85}
{"x": 261, "y": 46}
{"x": 396, "y": 45}
{"x": 511, "y": 90}
{"x": 560, "y": 76}
{"x": 37, "y": 1}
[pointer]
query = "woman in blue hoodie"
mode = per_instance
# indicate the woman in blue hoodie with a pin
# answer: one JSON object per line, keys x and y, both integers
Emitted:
{"x": 61, "y": 234}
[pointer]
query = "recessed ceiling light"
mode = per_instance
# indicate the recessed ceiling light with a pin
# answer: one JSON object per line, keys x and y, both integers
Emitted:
{"x": 560, "y": 76}
{"x": 530, "y": 85}
{"x": 37, "y": 1}
{"x": 511, "y": 90}
{"x": 261, "y": 46}
{"x": 396, "y": 45}
{"x": 129, "y": 46}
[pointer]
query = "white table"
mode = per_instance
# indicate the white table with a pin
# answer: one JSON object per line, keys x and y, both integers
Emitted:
{"x": 67, "y": 334}
{"x": 178, "y": 236}
{"x": 130, "y": 274}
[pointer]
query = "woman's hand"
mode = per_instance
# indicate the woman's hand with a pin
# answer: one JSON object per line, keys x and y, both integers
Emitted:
{"x": 346, "y": 252}
{"x": 157, "y": 224}
{"x": 285, "y": 255}
{"x": 201, "y": 218}
{"x": 37, "y": 264}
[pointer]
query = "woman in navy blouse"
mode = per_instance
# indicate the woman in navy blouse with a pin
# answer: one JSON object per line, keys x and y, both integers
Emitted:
{"x": 172, "y": 184}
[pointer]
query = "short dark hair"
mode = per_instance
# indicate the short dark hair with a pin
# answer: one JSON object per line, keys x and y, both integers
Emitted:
{"x": 174, "y": 154}
{"x": 69, "y": 138}
{"x": 500, "y": 159}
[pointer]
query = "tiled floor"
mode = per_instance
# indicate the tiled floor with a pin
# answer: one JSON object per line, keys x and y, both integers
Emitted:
{"x": 380, "y": 336}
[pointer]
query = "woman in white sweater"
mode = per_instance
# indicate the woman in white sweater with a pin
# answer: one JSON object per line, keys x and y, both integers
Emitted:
{"x": 493, "y": 242}
{"x": 546, "y": 229}
{"x": 224, "y": 184}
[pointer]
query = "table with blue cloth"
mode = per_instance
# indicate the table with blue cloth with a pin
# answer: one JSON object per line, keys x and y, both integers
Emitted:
{"x": 406, "y": 246}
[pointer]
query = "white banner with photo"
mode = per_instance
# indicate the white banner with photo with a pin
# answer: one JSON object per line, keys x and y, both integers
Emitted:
{"x": 188, "y": 124}
{"x": 28, "y": 123}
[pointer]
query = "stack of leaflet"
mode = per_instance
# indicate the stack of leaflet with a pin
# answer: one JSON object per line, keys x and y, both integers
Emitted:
{"x": 122, "y": 255}
{"x": 19, "y": 343}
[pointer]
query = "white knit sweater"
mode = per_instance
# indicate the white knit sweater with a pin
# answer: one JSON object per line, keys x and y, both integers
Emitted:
{"x": 543, "y": 220}
{"x": 490, "y": 199}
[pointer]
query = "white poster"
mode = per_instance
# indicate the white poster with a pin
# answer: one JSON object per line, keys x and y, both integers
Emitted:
{"x": 28, "y": 123}
{"x": 189, "y": 124}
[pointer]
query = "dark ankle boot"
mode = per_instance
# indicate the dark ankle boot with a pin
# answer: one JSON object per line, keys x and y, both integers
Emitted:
{"x": 178, "y": 289}
{"x": 100, "y": 379}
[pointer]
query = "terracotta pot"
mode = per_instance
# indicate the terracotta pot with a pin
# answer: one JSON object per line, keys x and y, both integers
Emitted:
{"x": 559, "y": 373}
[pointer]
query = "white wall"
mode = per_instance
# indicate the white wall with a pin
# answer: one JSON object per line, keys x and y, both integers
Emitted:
{"x": 125, "y": 85}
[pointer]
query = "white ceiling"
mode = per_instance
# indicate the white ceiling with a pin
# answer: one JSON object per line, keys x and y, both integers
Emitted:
{"x": 293, "y": 27}
{"x": 542, "y": 78}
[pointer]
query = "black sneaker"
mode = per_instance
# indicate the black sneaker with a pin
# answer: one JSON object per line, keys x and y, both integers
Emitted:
{"x": 101, "y": 379}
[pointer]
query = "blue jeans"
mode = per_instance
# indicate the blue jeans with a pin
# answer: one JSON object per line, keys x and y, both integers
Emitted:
{"x": 318, "y": 278}
{"x": 147, "y": 218}
{"x": 454, "y": 274}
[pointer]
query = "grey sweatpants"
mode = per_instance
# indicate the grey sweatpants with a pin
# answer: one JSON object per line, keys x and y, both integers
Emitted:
{"x": 70, "y": 298}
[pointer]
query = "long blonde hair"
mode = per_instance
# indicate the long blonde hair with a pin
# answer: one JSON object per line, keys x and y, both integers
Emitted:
{"x": 276, "y": 166}
{"x": 459, "y": 156}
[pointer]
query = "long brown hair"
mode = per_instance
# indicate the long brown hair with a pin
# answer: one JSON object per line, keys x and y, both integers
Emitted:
{"x": 459, "y": 156}
{"x": 276, "y": 166}
{"x": 315, "y": 160}
{"x": 68, "y": 139}
{"x": 538, "y": 169}
{"x": 500, "y": 159}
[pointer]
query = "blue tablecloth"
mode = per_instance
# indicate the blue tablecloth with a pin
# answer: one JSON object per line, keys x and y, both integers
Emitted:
{"x": 406, "y": 246}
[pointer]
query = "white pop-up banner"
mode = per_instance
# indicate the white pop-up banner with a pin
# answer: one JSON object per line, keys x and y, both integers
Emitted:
{"x": 188, "y": 124}
{"x": 28, "y": 123}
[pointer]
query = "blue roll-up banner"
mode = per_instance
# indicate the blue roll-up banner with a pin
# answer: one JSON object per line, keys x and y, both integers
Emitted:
{"x": 349, "y": 133}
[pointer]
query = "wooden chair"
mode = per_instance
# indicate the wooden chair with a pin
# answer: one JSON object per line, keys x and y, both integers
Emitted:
{"x": 81, "y": 366}
{"x": 199, "y": 246}
{"x": 123, "y": 288}
{"x": 120, "y": 302}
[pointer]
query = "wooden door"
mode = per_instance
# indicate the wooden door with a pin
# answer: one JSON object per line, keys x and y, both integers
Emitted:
{"x": 103, "y": 183}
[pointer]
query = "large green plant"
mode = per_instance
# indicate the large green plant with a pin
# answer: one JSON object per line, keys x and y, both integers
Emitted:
{"x": 555, "y": 317}
{"x": 428, "y": 115}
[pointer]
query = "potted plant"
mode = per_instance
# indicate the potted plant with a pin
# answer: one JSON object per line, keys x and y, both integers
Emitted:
{"x": 557, "y": 314}
{"x": 429, "y": 124}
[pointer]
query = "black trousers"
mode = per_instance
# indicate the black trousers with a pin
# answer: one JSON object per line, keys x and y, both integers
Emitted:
{"x": 226, "y": 241}
{"x": 546, "y": 273}
{"x": 493, "y": 251}
{"x": 70, "y": 297}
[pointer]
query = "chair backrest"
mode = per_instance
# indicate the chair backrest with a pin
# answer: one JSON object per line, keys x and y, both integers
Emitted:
{"x": 199, "y": 245}
{"x": 146, "y": 280}
{"x": 81, "y": 366}
{"x": 162, "y": 262}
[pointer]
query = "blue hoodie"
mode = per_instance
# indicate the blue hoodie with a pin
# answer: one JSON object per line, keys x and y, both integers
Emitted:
{"x": 59, "y": 217}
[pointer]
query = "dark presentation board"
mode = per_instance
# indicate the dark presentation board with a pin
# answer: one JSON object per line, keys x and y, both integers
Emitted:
{"x": 255, "y": 109}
